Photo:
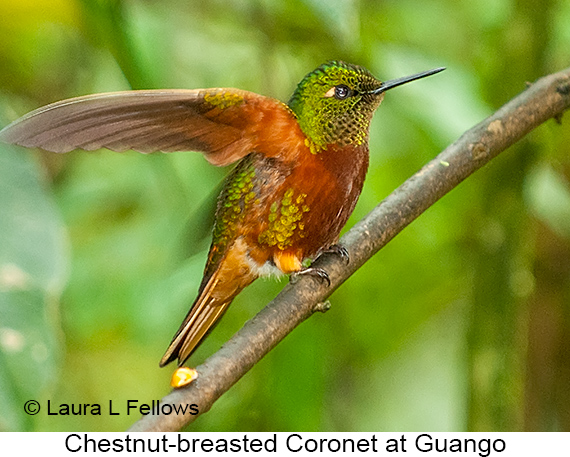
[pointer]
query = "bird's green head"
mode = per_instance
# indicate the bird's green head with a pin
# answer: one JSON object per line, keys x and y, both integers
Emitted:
{"x": 334, "y": 104}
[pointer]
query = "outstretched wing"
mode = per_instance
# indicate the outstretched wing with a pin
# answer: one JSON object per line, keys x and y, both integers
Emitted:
{"x": 224, "y": 124}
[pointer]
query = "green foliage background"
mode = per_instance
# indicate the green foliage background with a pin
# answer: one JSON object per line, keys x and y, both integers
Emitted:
{"x": 461, "y": 323}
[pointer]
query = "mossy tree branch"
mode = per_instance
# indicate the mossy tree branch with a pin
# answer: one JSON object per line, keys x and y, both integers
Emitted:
{"x": 548, "y": 98}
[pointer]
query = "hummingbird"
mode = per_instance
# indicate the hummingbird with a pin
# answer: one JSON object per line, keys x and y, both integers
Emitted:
{"x": 300, "y": 168}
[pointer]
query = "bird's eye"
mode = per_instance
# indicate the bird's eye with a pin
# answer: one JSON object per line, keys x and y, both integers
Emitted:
{"x": 341, "y": 92}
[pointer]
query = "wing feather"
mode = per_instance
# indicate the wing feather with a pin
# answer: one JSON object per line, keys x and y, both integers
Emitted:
{"x": 224, "y": 124}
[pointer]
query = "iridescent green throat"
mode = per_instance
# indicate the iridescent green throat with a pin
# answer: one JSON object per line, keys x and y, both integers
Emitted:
{"x": 327, "y": 120}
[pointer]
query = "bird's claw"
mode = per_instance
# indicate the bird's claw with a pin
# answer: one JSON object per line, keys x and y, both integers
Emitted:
{"x": 318, "y": 273}
{"x": 339, "y": 250}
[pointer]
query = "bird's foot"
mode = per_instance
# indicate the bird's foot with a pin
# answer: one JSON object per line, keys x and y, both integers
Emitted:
{"x": 318, "y": 273}
{"x": 339, "y": 250}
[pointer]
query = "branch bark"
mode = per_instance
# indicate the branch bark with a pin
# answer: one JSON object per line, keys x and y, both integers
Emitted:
{"x": 548, "y": 98}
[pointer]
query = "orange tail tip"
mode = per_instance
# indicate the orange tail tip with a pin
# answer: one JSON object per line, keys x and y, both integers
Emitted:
{"x": 183, "y": 376}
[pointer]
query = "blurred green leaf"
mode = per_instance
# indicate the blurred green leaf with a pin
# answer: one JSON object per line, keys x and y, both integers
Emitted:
{"x": 33, "y": 267}
{"x": 341, "y": 17}
{"x": 548, "y": 195}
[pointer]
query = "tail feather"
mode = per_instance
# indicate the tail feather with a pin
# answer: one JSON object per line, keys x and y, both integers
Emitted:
{"x": 204, "y": 313}
{"x": 211, "y": 317}
{"x": 230, "y": 276}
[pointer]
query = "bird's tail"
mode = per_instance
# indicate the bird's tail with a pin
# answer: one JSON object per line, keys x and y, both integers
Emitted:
{"x": 213, "y": 300}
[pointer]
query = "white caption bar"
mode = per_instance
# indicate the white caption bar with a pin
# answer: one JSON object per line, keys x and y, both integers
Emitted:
{"x": 297, "y": 444}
